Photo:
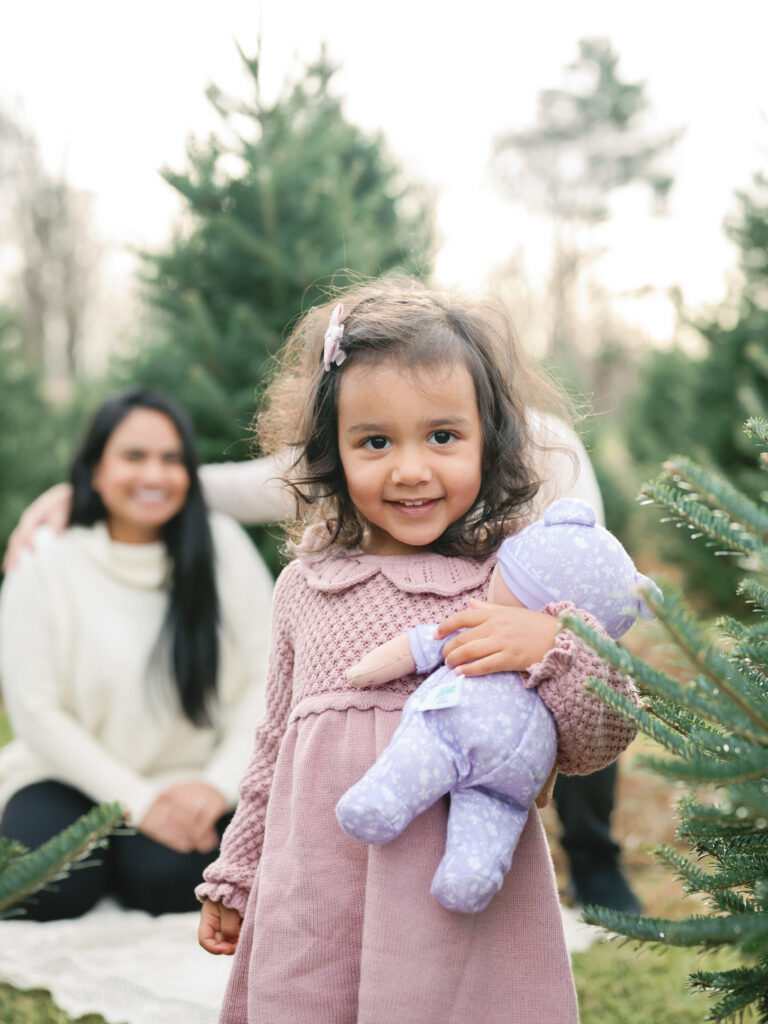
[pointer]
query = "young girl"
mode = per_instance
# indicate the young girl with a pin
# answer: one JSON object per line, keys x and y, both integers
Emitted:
{"x": 413, "y": 462}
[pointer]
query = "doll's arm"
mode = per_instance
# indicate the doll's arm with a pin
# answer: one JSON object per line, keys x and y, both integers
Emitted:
{"x": 384, "y": 663}
{"x": 414, "y": 651}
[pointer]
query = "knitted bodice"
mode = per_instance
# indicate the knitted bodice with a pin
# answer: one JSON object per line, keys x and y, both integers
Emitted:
{"x": 336, "y": 609}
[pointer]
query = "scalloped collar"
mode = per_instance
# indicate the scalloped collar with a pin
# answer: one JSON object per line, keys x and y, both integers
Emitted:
{"x": 425, "y": 573}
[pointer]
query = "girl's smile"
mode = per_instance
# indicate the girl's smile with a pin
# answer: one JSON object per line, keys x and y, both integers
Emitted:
{"x": 411, "y": 446}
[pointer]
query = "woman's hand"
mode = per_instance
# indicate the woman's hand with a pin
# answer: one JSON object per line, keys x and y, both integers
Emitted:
{"x": 201, "y": 806}
{"x": 496, "y": 638}
{"x": 219, "y": 928}
{"x": 184, "y": 817}
{"x": 163, "y": 824}
{"x": 51, "y": 509}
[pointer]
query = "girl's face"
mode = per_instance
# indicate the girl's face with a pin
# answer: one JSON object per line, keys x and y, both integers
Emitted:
{"x": 411, "y": 446}
{"x": 141, "y": 476}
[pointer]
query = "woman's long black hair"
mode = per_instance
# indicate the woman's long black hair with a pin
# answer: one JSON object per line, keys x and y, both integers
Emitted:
{"x": 191, "y": 623}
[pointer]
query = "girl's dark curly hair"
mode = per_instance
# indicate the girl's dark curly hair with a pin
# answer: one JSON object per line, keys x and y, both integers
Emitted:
{"x": 416, "y": 329}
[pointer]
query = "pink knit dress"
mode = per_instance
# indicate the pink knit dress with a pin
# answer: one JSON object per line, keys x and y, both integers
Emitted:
{"x": 338, "y": 932}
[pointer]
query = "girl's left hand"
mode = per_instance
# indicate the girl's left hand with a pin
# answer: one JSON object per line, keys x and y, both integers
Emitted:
{"x": 496, "y": 638}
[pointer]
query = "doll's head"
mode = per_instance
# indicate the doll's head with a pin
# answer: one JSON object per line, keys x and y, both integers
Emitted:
{"x": 567, "y": 556}
{"x": 400, "y": 323}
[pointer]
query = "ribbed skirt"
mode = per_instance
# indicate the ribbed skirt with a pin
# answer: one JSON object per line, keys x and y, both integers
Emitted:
{"x": 337, "y": 932}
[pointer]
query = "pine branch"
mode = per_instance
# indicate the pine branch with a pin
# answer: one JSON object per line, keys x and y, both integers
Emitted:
{"x": 749, "y": 656}
{"x": 691, "y": 512}
{"x": 757, "y": 426}
{"x": 753, "y": 798}
{"x": 691, "y": 637}
{"x": 740, "y": 714}
{"x": 10, "y": 850}
{"x": 754, "y": 591}
{"x": 715, "y": 490}
{"x": 725, "y": 846}
{"x": 697, "y": 880}
{"x": 747, "y": 931}
{"x": 30, "y": 871}
{"x": 701, "y": 769}
{"x": 729, "y": 902}
{"x": 667, "y": 736}
{"x": 743, "y": 986}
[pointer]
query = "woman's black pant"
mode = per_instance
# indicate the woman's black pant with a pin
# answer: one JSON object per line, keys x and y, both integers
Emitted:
{"x": 138, "y": 871}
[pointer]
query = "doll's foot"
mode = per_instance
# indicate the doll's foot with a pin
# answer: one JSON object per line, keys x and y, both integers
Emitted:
{"x": 372, "y": 817}
{"x": 457, "y": 887}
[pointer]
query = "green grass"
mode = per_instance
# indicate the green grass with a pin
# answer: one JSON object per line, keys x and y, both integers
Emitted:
{"x": 621, "y": 983}
{"x": 36, "y": 1007}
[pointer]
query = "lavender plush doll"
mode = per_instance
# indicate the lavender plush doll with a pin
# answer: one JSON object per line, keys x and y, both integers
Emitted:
{"x": 486, "y": 740}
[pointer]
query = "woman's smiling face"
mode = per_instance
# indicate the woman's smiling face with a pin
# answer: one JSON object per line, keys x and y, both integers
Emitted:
{"x": 141, "y": 476}
{"x": 411, "y": 444}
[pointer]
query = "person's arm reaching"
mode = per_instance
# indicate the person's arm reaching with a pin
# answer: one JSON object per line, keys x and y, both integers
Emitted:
{"x": 251, "y": 492}
{"x": 51, "y": 509}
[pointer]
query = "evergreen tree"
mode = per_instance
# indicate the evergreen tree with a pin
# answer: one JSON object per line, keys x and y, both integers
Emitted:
{"x": 288, "y": 196}
{"x": 714, "y": 726}
{"x": 729, "y": 380}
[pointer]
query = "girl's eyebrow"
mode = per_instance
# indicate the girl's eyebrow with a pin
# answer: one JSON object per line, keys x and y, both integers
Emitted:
{"x": 433, "y": 424}
{"x": 448, "y": 421}
{"x": 366, "y": 428}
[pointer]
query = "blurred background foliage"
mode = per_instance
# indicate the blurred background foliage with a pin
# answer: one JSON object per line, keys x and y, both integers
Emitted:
{"x": 289, "y": 197}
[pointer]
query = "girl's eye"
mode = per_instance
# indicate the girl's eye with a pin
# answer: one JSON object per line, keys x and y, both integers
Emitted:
{"x": 443, "y": 436}
{"x": 376, "y": 444}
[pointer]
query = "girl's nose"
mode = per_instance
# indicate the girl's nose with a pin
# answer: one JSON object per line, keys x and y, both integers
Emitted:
{"x": 411, "y": 469}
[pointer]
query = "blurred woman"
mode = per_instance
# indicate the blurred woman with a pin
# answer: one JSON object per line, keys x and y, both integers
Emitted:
{"x": 132, "y": 657}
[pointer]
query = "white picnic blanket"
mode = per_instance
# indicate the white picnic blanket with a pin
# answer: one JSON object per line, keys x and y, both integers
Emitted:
{"x": 136, "y": 969}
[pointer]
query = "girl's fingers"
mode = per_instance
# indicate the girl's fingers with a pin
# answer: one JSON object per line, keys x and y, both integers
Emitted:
{"x": 219, "y": 929}
{"x": 470, "y": 652}
{"x": 484, "y": 666}
{"x": 465, "y": 619}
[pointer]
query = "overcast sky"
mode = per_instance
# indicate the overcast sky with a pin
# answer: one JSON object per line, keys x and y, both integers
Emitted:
{"x": 113, "y": 90}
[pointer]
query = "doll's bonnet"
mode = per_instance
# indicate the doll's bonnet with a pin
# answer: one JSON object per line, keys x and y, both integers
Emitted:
{"x": 567, "y": 556}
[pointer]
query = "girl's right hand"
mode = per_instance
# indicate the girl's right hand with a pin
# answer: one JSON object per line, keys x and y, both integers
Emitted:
{"x": 496, "y": 638}
{"x": 219, "y": 928}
